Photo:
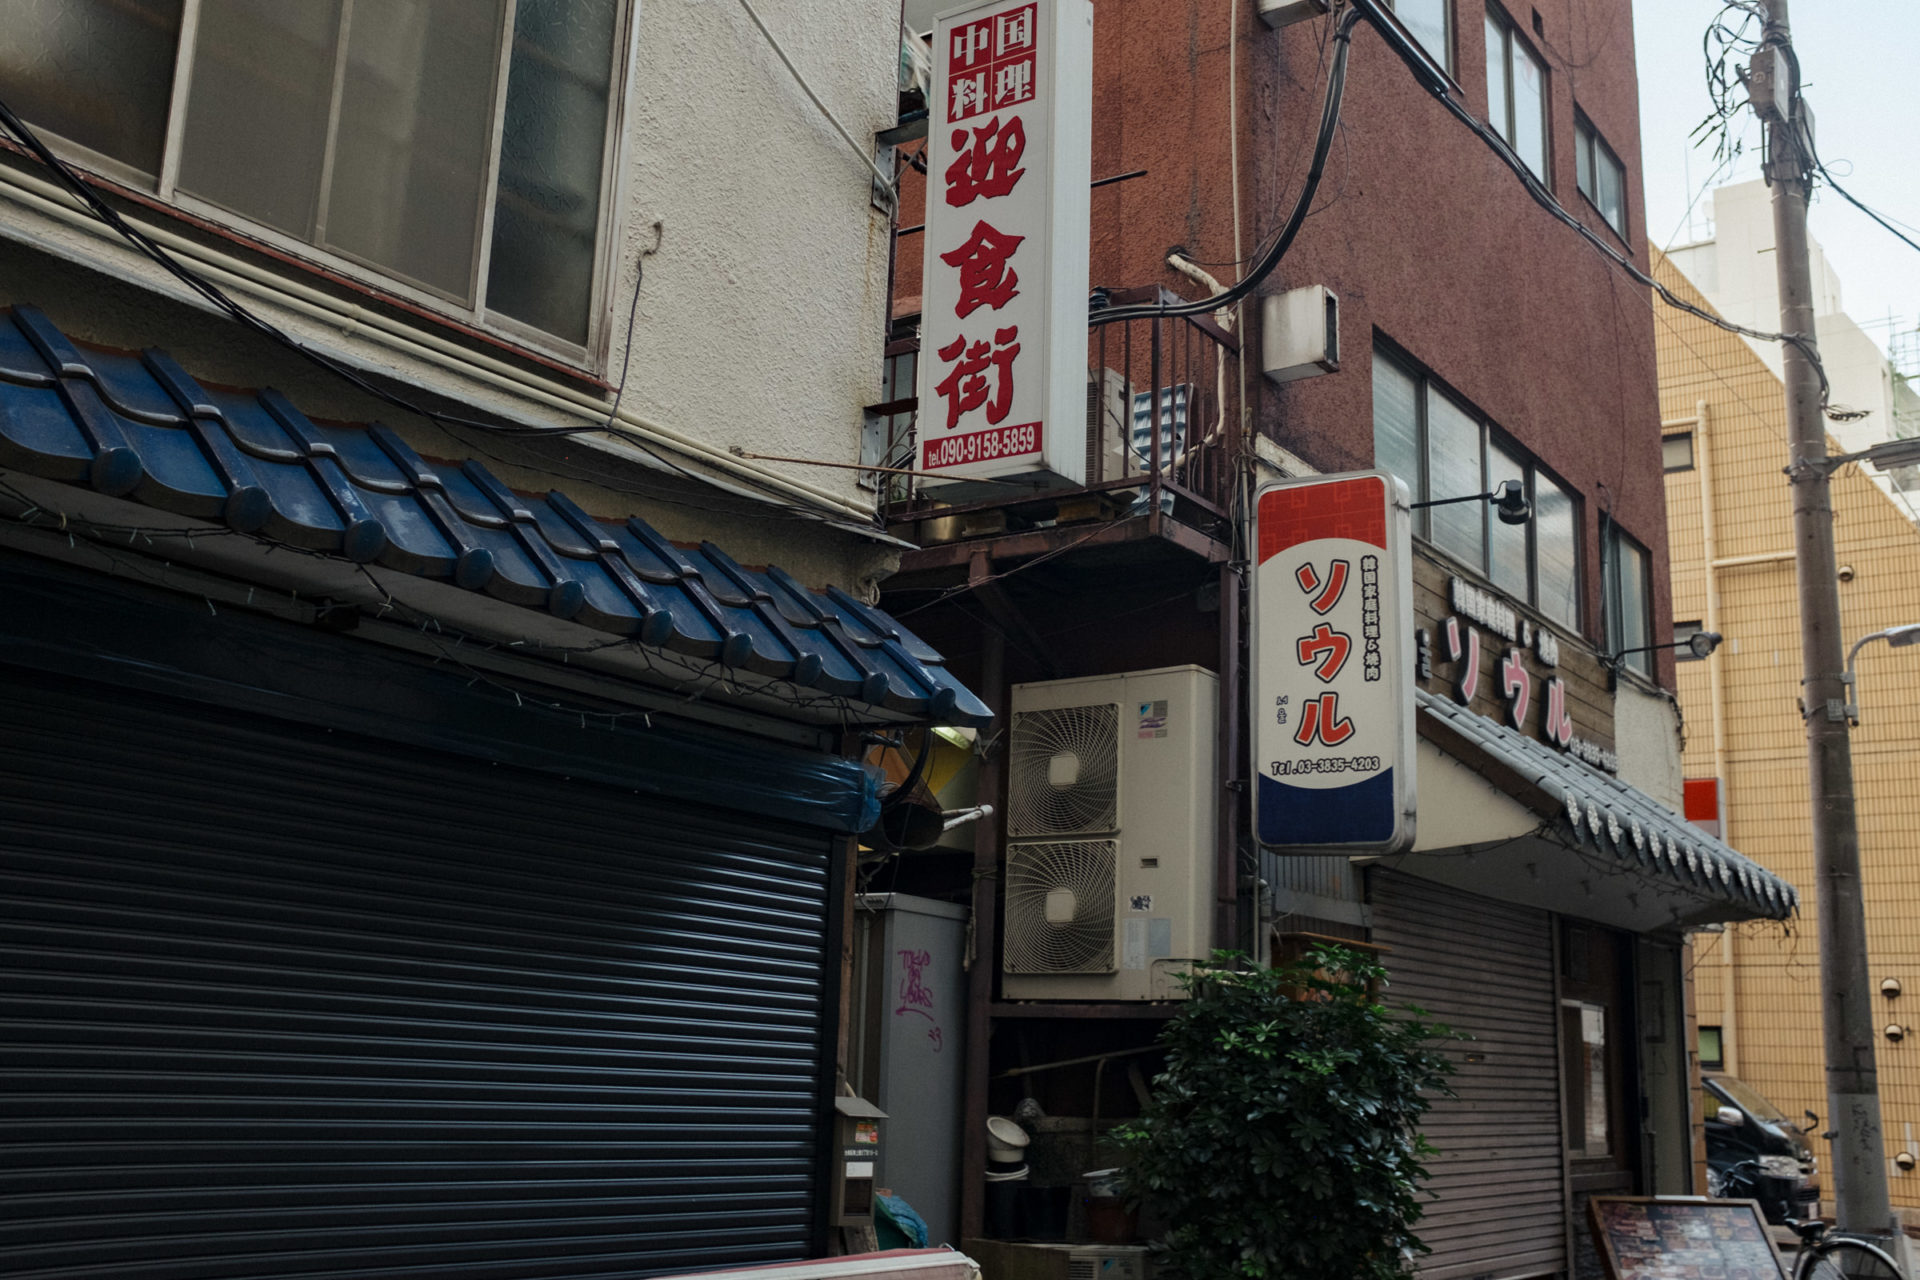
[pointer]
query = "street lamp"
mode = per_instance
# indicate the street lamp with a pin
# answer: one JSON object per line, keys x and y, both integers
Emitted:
{"x": 1896, "y": 638}
{"x": 1509, "y": 499}
{"x": 1700, "y": 644}
{"x": 1885, "y": 456}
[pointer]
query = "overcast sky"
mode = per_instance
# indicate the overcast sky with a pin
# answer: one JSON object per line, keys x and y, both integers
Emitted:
{"x": 1861, "y": 63}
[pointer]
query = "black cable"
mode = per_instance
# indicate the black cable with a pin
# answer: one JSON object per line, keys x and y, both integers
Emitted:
{"x": 1820, "y": 166}
{"x": 91, "y": 199}
{"x": 1329, "y": 121}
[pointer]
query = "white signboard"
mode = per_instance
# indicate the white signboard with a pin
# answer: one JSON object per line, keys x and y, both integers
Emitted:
{"x": 1003, "y": 338}
{"x": 1333, "y": 655}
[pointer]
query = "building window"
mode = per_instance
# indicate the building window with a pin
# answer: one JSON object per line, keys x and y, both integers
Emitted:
{"x": 1517, "y": 94}
{"x": 1626, "y": 583}
{"x": 1676, "y": 451}
{"x": 1443, "y": 449}
{"x": 1429, "y": 22}
{"x": 421, "y": 142}
{"x": 1583, "y": 1045}
{"x": 1598, "y": 173}
{"x": 1711, "y": 1059}
{"x": 1682, "y": 633}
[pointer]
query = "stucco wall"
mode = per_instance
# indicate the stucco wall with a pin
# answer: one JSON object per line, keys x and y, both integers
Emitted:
{"x": 760, "y": 320}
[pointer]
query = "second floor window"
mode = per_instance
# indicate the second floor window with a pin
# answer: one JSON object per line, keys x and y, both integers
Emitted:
{"x": 1601, "y": 177}
{"x": 1442, "y": 449}
{"x": 1517, "y": 94}
{"x": 455, "y": 148}
{"x": 1626, "y": 589}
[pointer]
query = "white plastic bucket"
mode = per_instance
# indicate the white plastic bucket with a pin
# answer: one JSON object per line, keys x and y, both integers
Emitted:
{"x": 1006, "y": 1141}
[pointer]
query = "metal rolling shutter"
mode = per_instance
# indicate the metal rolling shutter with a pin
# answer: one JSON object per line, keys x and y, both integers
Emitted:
{"x": 1484, "y": 968}
{"x": 280, "y": 1002}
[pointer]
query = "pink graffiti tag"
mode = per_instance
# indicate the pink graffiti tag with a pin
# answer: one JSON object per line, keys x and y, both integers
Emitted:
{"x": 914, "y": 996}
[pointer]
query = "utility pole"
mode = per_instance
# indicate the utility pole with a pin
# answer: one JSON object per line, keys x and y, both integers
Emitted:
{"x": 1859, "y": 1172}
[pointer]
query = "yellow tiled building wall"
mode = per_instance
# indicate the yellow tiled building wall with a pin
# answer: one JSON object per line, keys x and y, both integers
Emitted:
{"x": 1760, "y": 982}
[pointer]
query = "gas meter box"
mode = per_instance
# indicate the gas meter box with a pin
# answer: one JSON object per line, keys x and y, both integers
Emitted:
{"x": 856, "y": 1160}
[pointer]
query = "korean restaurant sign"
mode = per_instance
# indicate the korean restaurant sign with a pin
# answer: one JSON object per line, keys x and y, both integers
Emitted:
{"x": 1333, "y": 661}
{"x": 1003, "y": 339}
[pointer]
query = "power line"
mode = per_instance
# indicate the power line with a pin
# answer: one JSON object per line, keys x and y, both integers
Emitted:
{"x": 91, "y": 200}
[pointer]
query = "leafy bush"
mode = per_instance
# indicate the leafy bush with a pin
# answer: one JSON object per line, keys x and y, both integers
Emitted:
{"x": 1280, "y": 1141}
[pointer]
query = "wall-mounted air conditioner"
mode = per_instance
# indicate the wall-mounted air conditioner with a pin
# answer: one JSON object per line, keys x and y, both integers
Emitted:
{"x": 1299, "y": 333}
{"x": 1112, "y": 810}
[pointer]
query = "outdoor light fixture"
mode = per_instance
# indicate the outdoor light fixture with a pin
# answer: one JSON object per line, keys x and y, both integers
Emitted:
{"x": 1896, "y": 638}
{"x": 1885, "y": 456}
{"x": 1509, "y": 499}
{"x": 1700, "y": 644}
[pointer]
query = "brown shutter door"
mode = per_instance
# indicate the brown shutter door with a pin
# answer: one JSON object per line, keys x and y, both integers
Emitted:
{"x": 1484, "y": 968}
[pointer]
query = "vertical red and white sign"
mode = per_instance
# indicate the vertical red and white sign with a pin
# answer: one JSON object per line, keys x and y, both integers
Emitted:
{"x": 1332, "y": 712}
{"x": 1003, "y": 333}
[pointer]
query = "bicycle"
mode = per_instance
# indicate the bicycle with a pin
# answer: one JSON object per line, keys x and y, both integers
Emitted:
{"x": 1825, "y": 1257}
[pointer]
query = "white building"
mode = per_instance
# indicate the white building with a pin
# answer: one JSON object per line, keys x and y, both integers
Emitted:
{"x": 431, "y": 755}
{"x": 1735, "y": 269}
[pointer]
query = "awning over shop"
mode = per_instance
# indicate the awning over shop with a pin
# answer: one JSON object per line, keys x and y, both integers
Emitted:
{"x": 139, "y": 428}
{"x": 1531, "y": 824}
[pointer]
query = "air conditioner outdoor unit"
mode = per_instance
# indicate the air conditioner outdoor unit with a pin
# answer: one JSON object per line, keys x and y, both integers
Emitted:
{"x": 1112, "y": 809}
{"x": 1109, "y": 420}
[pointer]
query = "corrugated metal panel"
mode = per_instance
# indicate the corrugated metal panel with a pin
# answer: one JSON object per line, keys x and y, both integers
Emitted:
{"x": 283, "y": 1002}
{"x": 1484, "y": 968}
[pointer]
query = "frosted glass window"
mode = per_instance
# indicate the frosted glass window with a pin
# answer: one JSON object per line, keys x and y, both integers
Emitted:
{"x": 1454, "y": 462}
{"x": 1506, "y": 543}
{"x": 1557, "y": 551}
{"x": 1629, "y": 606}
{"x": 1427, "y": 21}
{"x": 1396, "y": 424}
{"x": 1499, "y": 106}
{"x": 256, "y": 135}
{"x": 416, "y": 119}
{"x": 1517, "y": 95}
{"x": 1601, "y": 177}
{"x": 547, "y": 213}
{"x": 1529, "y": 108}
{"x": 94, "y": 72}
{"x": 421, "y": 142}
{"x": 1443, "y": 449}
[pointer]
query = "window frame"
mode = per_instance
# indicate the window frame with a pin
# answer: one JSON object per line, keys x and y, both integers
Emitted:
{"x": 1586, "y": 136}
{"x": 1613, "y": 606}
{"x": 1490, "y": 437}
{"x": 1669, "y": 438}
{"x": 161, "y": 191}
{"x": 1447, "y": 34}
{"x": 1511, "y": 38}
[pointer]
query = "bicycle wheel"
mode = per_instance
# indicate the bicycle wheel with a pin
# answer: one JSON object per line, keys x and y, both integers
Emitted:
{"x": 1841, "y": 1258}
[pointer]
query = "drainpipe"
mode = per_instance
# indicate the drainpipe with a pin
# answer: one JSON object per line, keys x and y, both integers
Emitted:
{"x": 1710, "y": 550}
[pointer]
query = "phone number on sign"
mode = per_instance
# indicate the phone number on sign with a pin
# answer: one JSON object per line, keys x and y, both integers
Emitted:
{"x": 981, "y": 446}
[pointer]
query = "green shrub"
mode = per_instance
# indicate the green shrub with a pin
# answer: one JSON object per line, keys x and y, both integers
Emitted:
{"x": 1281, "y": 1139}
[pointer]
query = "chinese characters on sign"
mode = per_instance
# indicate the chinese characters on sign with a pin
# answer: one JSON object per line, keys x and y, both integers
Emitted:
{"x": 1333, "y": 643}
{"x": 1513, "y": 681}
{"x": 1003, "y": 330}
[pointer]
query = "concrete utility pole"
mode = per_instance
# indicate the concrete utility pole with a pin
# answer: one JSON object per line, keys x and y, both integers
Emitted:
{"x": 1859, "y": 1172}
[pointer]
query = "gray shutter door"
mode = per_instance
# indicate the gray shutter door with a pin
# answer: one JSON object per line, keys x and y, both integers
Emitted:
{"x": 1484, "y": 968}
{"x": 283, "y": 1002}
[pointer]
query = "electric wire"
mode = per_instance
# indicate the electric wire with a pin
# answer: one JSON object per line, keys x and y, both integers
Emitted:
{"x": 93, "y": 202}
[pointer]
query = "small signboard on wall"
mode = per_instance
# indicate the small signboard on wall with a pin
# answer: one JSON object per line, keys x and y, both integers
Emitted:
{"x": 1333, "y": 659}
{"x": 1683, "y": 1238}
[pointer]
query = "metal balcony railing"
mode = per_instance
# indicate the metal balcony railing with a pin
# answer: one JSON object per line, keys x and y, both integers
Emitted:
{"x": 1161, "y": 428}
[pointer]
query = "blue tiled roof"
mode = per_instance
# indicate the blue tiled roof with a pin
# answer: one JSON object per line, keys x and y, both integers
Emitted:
{"x": 139, "y": 427}
{"x": 1621, "y": 822}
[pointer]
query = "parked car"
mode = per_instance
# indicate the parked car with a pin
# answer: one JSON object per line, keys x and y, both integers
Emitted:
{"x": 1742, "y": 1125}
